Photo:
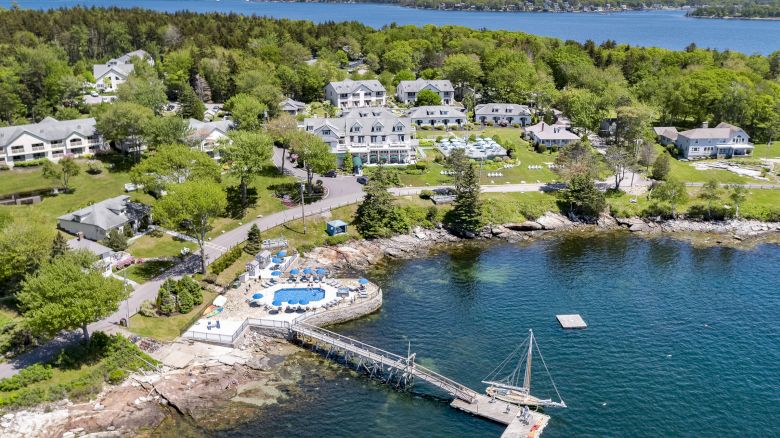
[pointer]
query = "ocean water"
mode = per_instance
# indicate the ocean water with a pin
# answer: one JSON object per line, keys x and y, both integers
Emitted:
{"x": 667, "y": 29}
{"x": 681, "y": 341}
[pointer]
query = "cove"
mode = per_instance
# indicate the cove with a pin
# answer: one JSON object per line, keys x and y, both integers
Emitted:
{"x": 669, "y": 29}
{"x": 681, "y": 340}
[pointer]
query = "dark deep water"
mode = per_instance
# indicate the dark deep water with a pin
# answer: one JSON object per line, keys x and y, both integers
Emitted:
{"x": 669, "y": 29}
{"x": 681, "y": 341}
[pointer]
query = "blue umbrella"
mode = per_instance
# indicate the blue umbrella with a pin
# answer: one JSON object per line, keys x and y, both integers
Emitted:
{"x": 276, "y": 273}
{"x": 276, "y": 303}
{"x": 321, "y": 271}
{"x": 257, "y": 296}
{"x": 363, "y": 281}
{"x": 277, "y": 260}
{"x": 307, "y": 271}
{"x": 281, "y": 253}
{"x": 304, "y": 302}
{"x": 294, "y": 272}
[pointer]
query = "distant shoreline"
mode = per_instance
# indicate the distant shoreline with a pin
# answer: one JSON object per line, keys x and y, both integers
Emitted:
{"x": 712, "y": 17}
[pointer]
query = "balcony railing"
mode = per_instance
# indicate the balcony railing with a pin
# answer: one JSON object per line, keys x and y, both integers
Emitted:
{"x": 38, "y": 148}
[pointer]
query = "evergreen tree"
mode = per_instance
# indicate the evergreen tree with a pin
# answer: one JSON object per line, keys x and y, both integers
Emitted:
{"x": 116, "y": 240}
{"x": 59, "y": 246}
{"x": 165, "y": 300}
{"x": 254, "y": 241}
{"x": 710, "y": 192}
{"x": 583, "y": 197}
{"x": 191, "y": 105}
{"x": 466, "y": 214}
{"x": 193, "y": 289}
{"x": 184, "y": 301}
{"x": 661, "y": 167}
{"x": 377, "y": 216}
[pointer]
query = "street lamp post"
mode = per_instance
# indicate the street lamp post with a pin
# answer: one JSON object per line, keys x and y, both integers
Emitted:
{"x": 303, "y": 212}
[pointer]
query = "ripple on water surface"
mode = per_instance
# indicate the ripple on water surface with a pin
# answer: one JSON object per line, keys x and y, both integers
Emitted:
{"x": 681, "y": 340}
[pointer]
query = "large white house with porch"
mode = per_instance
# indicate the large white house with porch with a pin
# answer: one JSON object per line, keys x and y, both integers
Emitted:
{"x": 50, "y": 138}
{"x": 206, "y": 135}
{"x": 437, "y": 115}
{"x": 376, "y": 135}
{"x": 551, "y": 136}
{"x": 406, "y": 92}
{"x": 110, "y": 75}
{"x": 356, "y": 94}
{"x": 722, "y": 141}
{"x": 502, "y": 114}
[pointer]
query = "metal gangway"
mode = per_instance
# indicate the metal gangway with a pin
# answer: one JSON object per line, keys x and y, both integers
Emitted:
{"x": 390, "y": 367}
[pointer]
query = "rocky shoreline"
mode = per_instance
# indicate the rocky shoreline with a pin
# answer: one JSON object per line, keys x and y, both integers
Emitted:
{"x": 359, "y": 255}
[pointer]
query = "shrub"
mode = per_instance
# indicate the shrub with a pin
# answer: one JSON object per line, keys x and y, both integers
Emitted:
{"x": 306, "y": 247}
{"x": 184, "y": 301}
{"x": 225, "y": 260}
{"x": 116, "y": 240}
{"x": 29, "y": 397}
{"x": 4, "y": 166}
{"x": 515, "y": 125}
{"x": 147, "y": 309}
{"x": 421, "y": 165}
{"x": 338, "y": 239}
{"x": 426, "y": 194}
{"x": 116, "y": 376}
{"x": 31, "y": 163}
{"x": 32, "y": 374}
{"x": 94, "y": 167}
{"x": 425, "y": 127}
{"x": 541, "y": 148}
{"x": 439, "y": 127}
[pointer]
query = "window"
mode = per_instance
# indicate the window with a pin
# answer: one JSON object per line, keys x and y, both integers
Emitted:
{"x": 361, "y": 139}
{"x": 326, "y": 132}
{"x": 373, "y": 139}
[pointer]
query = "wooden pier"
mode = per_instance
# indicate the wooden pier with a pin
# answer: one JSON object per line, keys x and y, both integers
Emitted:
{"x": 401, "y": 371}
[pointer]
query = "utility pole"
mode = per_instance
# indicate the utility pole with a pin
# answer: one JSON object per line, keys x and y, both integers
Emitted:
{"x": 303, "y": 212}
{"x": 127, "y": 300}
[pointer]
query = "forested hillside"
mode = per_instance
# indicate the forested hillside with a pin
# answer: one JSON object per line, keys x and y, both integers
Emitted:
{"x": 46, "y": 57}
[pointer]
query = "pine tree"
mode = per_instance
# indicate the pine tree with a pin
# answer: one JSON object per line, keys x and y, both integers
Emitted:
{"x": 184, "y": 301}
{"x": 165, "y": 300}
{"x": 583, "y": 197}
{"x": 191, "y": 105}
{"x": 466, "y": 214}
{"x": 193, "y": 288}
{"x": 661, "y": 167}
{"x": 377, "y": 216}
{"x": 116, "y": 240}
{"x": 254, "y": 241}
{"x": 59, "y": 246}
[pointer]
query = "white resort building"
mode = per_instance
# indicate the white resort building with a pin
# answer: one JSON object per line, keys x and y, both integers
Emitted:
{"x": 406, "y": 92}
{"x": 206, "y": 135}
{"x": 722, "y": 141}
{"x": 49, "y": 138}
{"x": 110, "y": 75}
{"x": 438, "y": 115}
{"x": 356, "y": 94}
{"x": 376, "y": 135}
{"x": 551, "y": 136}
{"x": 505, "y": 114}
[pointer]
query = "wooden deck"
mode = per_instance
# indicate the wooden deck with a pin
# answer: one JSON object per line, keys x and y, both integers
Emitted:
{"x": 496, "y": 410}
{"x": 571, "y": 321}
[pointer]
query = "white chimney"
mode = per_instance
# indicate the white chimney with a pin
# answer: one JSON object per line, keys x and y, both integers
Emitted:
{"x": 705, "y": 125}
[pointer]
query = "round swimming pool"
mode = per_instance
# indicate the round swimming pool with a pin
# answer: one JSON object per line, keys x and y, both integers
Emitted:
{"x": 296, "y": 294}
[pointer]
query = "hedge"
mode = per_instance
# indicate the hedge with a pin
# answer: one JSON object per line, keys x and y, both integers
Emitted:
{"x": 226, "y": 260}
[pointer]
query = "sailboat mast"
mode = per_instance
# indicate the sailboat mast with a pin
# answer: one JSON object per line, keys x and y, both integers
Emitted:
{"x": 527, "y": 378}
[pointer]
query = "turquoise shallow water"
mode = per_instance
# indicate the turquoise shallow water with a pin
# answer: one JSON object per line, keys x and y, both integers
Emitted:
{"x": 681, "y": 341}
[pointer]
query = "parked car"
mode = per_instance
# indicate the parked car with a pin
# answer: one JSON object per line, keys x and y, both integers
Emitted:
{"x": 362, "y": 180}
{"x": 330, "y": 174}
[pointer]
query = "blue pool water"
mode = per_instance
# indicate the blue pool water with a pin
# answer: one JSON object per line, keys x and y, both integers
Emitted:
{"x": 312, "y": 294}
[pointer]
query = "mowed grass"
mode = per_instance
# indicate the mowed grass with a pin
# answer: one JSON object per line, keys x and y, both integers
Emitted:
{"x": 762, "y": 151}
{"x": 143, "y": 272}
{"x": 148, "y": 246}
{"x": 167, "y": 328}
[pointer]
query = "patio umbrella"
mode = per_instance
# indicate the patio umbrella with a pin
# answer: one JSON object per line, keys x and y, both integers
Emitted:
{"x": 257, "y": 296}
{"x": 276, "y": 303}
{"x": 277, "y": 260}
{"x": 281, "y": 253}
{"x": 294, "y": 272}
{"x": 307, "y": 271}
{"x": 321, "y": 271}
{"x": 276, "y": 273}
{"x": 363, "y": 281}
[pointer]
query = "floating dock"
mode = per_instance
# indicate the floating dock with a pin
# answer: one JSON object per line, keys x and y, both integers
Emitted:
{"x": 504, "y": 413}
{"x": 571, "y": 321}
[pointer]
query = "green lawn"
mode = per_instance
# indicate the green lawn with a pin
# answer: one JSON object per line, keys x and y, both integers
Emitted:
{"x": 143, "y": 272}
{"x": 87, "y": 189}
{"x": 166, "y": 245}
{"x": 686, "y": 172}
{"x": 761, "y": 151}
{"x": 167, "y": 328}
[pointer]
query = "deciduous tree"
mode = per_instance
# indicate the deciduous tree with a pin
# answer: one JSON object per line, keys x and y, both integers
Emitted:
{"x": 737, "y": 196}
{"x": 62, "y": 171}
{"x": 313, "y": 153}
{"x": 710, "y": 192}
{"x": 67, "y": 293}
{"x": 248, "y": 152}
{"x": 583, "y": 197}
{"x": 672, "y": 192}
{"x": 174, "y": 164}
{"x": 427, "y": 97}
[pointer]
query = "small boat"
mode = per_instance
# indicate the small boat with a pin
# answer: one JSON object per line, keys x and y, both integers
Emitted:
{"x": 208, "y": 309}
{"x": 215, "y": 312}
{"x": 508, "y": 388}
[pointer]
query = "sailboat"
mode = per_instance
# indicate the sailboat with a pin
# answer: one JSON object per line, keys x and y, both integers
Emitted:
{"x": 507, "y": 388}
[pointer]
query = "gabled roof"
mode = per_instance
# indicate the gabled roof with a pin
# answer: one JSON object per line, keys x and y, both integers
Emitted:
{"x": 106, "y": 214}
{"x": 93, "y": 247}
{"x": 543, "y": 131}
{"x": 127, "y": 58}
{"x": 419, "y": 84}
{"x": 420, "y": 112}
{"x": 363, "y": 116}
{"x": 349, "y": 86}
{"x": 291, "y": 105}
{"x": 100, "y": 70}
{"x": 48, "y": 129}
{"x": 510, "y": 109}
{"x": 201, "y": 130}
{"x": 669, "y": 132}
